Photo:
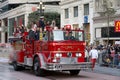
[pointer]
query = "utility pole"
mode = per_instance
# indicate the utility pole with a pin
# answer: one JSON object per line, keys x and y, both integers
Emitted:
{"x": 108, "y": 25}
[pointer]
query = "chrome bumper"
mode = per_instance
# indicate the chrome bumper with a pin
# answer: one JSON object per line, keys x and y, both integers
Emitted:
{"x": 77, "y": 66}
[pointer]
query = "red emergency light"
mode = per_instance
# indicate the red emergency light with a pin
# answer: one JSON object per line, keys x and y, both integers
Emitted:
{"x": 68, "y": 27}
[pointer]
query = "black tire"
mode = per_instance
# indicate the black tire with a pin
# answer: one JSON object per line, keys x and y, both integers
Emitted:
{"x": 74, "y": 72}
{"x": 37, "y": 70}
{"x": 15, "y": 66}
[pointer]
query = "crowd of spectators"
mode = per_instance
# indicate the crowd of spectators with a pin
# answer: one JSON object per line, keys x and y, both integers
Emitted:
{"x": 107, "y": 55}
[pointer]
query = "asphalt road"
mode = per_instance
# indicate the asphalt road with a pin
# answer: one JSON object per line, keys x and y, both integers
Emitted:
{"x": 7, "y": 73}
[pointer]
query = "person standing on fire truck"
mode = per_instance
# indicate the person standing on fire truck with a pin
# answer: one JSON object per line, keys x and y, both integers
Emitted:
{"x": 31, "y": 33}
{"x": 93, "y": 56}
{"x": 41, "y": 23}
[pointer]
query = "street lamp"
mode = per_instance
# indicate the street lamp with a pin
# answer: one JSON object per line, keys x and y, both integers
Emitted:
{"x": 41, "y": 8}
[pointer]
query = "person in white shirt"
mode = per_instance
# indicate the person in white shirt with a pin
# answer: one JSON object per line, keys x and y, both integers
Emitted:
{"x": 86, "y": 55}
{"x": 34, "y": 25}
{"x": 93, "y": 55}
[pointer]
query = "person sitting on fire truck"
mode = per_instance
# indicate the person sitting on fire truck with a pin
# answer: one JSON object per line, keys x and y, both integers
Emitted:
{"x": 68, "y": 36}
{"x": 31, "y": 33}
{"x": 21, "y": 28}
{"x": 45, "y": 36}
{"x": 25, "y": 34}
{"x": 37, "y": 34}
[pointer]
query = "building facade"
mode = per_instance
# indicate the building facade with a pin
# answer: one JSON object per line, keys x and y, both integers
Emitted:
{"x": 78, "y": 13}
{"x": 96, "y": 17}
{"x": 14, "y": 13}
{"x": 105, "y": 13}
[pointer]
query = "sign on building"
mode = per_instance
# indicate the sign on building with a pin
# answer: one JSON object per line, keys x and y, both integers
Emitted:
{"x": 117, "y": 26}
{"x": 85, "y": 19}
{"x": 117, "y": 42}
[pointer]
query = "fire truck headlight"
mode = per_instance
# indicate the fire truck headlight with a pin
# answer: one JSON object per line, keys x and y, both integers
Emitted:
{"x": 58, "y": 55}
{"x": 78, "y": 54}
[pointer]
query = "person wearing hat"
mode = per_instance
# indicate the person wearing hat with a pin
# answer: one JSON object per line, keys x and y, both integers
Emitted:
{"x": 41, "y": 23}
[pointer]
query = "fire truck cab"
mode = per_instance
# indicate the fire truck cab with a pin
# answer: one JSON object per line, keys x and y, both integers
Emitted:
{"x": 60, "y": 50}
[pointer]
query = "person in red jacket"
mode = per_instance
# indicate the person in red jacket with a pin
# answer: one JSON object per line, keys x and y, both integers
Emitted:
{"x": 25, "y": 34}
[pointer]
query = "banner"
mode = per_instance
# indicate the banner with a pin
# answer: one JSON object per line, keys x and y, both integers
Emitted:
{"x": 117, "y": 26}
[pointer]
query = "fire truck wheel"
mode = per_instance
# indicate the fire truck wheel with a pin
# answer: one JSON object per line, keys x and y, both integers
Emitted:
{"x": 74, "y": 72}
{"x": 37, "y": 70}
{"x": 16, "y": 67}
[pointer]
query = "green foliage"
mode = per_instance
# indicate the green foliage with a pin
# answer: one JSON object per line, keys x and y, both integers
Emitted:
{"x": 33, "y": 17}
{"x": 52, "y": 16}
{"x": 48, "y": 16}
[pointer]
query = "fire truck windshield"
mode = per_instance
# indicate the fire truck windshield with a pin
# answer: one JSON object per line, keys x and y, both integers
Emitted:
{"x": 58, "y": 35}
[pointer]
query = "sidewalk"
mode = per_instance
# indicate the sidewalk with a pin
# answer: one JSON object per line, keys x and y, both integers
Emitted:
{"x": 107, "y": 70}
{"x": 5, "y": 50}
{"x": 4, "y": 57}
{"x": 4, "y": 60}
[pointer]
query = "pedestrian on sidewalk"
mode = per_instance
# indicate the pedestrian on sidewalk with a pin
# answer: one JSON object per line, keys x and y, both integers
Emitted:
{"x": 93, "y": 56}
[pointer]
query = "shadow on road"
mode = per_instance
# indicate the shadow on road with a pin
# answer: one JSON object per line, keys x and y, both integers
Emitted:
{"x": 53, "y": 75}
{"x": 63, "y": 75}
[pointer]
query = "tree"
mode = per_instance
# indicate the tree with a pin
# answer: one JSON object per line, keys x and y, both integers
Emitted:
{"x": 109, "y": 12}
{"x": 48, "y": 16}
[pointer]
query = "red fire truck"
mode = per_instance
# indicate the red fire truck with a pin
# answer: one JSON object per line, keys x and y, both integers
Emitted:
{"x": 60, "y": 50}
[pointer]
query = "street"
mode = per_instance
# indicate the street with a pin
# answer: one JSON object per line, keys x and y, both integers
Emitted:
{"x": 73, "y": 36}
{"x": 7, "y": 73}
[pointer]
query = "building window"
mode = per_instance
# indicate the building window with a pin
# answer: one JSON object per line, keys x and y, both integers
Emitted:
{"x": 112, "y": 33}
{"x": 96, "y": 4}
{"x": 99, "y": 5}
{"x": 76, "y": 11}
{"x": 86, "y": 9}
{"x": 66, "y": 13}
{"x": 12, "y": 24}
